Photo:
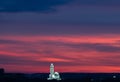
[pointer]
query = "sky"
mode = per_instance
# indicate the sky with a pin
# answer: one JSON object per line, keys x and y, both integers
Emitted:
{"x": 75, "y": 35}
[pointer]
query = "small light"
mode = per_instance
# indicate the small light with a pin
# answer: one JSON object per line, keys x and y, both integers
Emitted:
{"x": 92, "y": 79}
{"x": 114, "y": 76}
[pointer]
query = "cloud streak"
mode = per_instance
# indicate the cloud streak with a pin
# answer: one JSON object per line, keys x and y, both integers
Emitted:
{"x": 31, "y": 5}
{"x": 99, "y": 2}
{"x": 47, "y": 5}
{"x": 41, "y": 50}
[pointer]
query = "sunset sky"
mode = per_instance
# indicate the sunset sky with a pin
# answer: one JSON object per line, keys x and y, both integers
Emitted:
{"x": 75, "y": 35}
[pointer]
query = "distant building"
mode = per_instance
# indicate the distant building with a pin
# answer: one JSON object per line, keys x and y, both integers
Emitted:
{"x": 1, "y": 71}
{"x": 53, "y": 75}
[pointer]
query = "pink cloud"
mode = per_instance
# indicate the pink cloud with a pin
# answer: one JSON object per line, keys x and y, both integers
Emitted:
{"x": 82, "y": 53}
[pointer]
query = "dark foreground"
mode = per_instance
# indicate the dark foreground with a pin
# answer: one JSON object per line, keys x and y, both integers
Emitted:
{"x": 66, "y": 77}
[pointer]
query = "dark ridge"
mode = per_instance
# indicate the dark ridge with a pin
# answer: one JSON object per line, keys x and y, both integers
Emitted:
{"x": 70, "y": 77}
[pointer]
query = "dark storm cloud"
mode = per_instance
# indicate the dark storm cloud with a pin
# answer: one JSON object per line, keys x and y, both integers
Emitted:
{"x": 30, "y": 5}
